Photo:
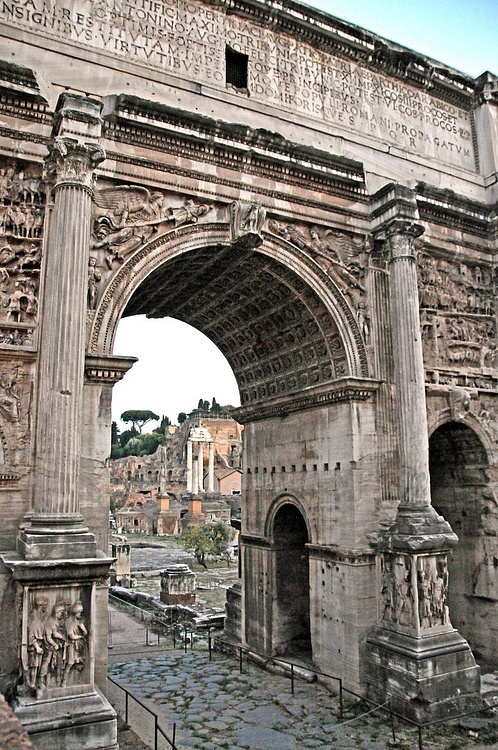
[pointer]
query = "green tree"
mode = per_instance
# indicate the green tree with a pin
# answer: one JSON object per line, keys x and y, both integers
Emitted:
{"x": 149, "y": 443}
{"x": 181, "y": 417}
{"x": 165, "y": 422}
{"x": 138, "y": 417}
{"x": 208, "y": 540}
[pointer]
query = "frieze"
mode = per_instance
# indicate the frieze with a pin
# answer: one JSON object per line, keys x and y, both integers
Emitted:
{"x": 22, "y": 214}
{"x": 457, "y": 315}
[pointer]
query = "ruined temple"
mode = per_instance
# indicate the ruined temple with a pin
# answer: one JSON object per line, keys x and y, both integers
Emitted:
{"x": 321, "y": 203}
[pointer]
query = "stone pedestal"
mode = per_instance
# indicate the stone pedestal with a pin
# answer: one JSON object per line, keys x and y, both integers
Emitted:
{"x": 416, "y": 659}
{"x": 178, "y": 585}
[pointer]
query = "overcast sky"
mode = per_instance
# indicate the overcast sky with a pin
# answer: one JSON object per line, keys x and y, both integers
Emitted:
{"x": 177, "y": 364}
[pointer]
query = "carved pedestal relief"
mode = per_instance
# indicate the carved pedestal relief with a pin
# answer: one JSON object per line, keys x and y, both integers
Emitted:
{"x": 22, "y": 211}
{"x": 56, "y": 635}
{"x": 414, "y": 591}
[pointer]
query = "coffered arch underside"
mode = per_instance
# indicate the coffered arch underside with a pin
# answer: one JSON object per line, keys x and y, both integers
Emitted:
{"x": 278, "y": 318}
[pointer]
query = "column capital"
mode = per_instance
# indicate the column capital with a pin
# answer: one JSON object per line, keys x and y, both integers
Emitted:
{"x": 72, "y": 162}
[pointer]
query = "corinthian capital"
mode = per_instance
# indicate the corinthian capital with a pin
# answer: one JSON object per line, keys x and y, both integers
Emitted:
{"x": 71, "y": 162}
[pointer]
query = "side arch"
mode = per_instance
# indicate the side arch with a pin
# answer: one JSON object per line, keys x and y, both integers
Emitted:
{"x": 464, "y": 494}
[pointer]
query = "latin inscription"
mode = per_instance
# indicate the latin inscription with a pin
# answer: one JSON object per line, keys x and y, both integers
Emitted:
{"x": 188, "y": 38}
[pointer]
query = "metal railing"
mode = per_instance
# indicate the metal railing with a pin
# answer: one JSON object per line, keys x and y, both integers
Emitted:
{"x": 158, "y": 730}
{"x": 292, "y": 668}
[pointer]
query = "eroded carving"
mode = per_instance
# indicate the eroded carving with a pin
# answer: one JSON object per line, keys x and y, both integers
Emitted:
{"x": 246, "y": 222}
{"x": 21, "y": 224}
{"x": 126, "y": 216}
{"x": 457, "y": 319}
{"x": 341, "y": 256}
{"x": 55, "y": 645}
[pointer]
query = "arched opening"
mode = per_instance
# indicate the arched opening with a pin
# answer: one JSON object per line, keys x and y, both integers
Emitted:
{"x": 291, "y": 629}
{"x": 460, "y": 492}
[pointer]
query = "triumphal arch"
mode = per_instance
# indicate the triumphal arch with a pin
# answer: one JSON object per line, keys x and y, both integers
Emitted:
{"x": 321, "y": 203}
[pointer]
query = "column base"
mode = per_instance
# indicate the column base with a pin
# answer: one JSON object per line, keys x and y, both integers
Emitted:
{"x": 53, "y": 538}
{"x": 75, "y": 722}
{"x": 424, "y": 678}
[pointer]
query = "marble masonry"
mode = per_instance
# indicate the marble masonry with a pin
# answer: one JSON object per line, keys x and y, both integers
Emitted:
{"x": 322, "y": 204}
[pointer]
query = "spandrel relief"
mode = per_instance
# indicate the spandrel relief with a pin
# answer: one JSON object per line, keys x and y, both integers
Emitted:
{"x": 125, "y": 217}
{"x": 22, "y": 211}
{"x": 55, "y": 652}
{"x": 341, "y": 256}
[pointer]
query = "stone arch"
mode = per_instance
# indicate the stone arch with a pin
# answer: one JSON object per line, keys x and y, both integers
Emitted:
{"x": 305, "y": 311}
{"x": 459, "y": 461}
{"x": 290, "y": 535}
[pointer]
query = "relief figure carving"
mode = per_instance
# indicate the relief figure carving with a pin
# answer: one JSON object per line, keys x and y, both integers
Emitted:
{"x": 247, "y": 221}
{"x": 36, "y": 629}
{"x": 56, "y": 645}
{"x": 341, "y": 257}
{"x": 126, "y": 216}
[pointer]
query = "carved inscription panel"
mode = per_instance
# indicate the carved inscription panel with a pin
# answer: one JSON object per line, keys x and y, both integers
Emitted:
{"x": 188, "y": 39}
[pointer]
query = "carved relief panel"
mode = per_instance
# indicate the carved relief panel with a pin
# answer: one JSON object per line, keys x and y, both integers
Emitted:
{"x": 458, "y": 322}
{"x": 343, "y": 257}
{"x": 414, "y": 591}
{"x": 56, "y": 640}
{"x": 124, "y": 218}
{"x": 22, "y": 214}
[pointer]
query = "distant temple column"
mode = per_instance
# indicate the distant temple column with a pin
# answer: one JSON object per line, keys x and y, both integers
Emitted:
{"x": 414, "y": 639}
{"x": 211, "y": 468}
{"x": 195, "y": 477}
{"x": 200, "y": 466}
{"x": 71, "y": 163}
{"x": 189, "y": 465}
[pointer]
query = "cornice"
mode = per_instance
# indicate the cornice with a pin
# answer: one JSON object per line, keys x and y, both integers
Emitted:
{"x": 343, "y": 390}
{"x": 339, "y": 554}
{"x": 446, "y": 208}
{"x": 20, "y": 94}
{"x": 234, "y": 146}
{"x": 104, "y": 370}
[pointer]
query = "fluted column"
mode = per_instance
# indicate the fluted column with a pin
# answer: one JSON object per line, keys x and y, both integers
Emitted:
{"x": 71, "y": 162}
{"x": 417, "y": 526}
{"x": 189, "y": 466}
{"x": 414, "y": 640}
{"x": 200, "y": 467}
{"x": 211, "y": 468}
{"x": 408, "y": 365}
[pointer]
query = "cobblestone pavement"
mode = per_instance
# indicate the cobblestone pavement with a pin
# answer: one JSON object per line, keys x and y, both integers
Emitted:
{"x": 215, "y": 707}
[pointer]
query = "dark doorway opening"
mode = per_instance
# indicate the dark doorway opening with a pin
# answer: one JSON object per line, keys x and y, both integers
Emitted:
{"x": 291, "y": 633}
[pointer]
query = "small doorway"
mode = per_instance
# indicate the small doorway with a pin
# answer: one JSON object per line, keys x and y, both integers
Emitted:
{"x": 291, "y": 610}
